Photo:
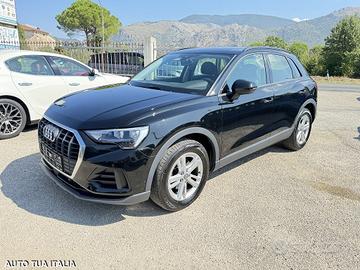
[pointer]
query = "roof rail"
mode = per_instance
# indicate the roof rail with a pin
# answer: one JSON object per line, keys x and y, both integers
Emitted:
{"x": 181, "y": 49}
{"x": 266, "y": 48}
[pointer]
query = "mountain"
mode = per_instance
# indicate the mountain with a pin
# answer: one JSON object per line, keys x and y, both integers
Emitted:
{"x": 178, "y": 34}
{"x": 259, "y": 21}
{"x": 233, "y": 30}
{"x": 316, "y": 30}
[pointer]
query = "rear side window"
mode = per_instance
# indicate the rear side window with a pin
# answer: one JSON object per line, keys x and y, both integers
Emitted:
{"x": 30, "y": 64}
{"x": 280, "y": 68}
{"x": 295, "y": 69}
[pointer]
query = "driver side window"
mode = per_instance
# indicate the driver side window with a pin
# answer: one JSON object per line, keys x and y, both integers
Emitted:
{"x": 250, "y": 68}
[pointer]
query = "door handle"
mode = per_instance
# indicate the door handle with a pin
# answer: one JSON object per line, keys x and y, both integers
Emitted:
{"x": 25, "y": 84}
{"x": 74, "y": 84}
{"x": 268, "y": 100}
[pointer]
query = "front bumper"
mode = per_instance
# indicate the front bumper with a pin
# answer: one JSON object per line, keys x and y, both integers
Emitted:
{"x": 94, "y": 172}
{"x": 81, "y": 194}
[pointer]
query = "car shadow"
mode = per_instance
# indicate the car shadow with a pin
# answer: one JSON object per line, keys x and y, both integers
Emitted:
{"x": 30, "y": 128}
{"x": 24, "y": 182}
{"x": 233, "y": 165}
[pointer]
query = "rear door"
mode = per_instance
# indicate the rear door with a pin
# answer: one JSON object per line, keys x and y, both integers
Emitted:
{"x": 247, "y": 119}
{"x": 289, "y": 89}
{"x": 74, "y": 74}
{"x": 34, "y": 78}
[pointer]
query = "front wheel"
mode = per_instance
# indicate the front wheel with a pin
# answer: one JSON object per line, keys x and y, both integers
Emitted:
{"x": 12, "y": 118}
{"x": 301, "y": 133}
{"x": 180, "y": 176}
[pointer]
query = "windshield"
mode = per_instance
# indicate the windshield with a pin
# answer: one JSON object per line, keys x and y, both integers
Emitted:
{"x": 183, "y": 72}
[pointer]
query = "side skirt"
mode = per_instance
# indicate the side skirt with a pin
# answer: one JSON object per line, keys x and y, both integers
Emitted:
{"x": 283, "y": 135}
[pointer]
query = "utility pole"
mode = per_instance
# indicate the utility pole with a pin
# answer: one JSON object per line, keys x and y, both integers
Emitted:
{"x": 103, "y": 34}
{"x": 102, "y": 23}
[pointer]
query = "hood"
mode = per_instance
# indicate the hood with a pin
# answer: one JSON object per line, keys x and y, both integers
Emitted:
{"x": 115, "y": 107}
{"x": 114, "y": 79}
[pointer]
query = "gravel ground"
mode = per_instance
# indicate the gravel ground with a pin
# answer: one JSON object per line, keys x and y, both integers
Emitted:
{"x": 273, "y": 210}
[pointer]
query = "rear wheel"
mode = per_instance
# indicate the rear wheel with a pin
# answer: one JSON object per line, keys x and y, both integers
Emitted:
{"x": 12, "y": 118}
{"x": 180, "y": 176}
{"x": 301, "y": 133}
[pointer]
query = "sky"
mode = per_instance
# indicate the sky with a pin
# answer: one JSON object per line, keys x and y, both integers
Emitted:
{"x": 41, "y": 13}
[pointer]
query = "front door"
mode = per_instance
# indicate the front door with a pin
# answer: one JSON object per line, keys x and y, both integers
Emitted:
{"x": 34, "y": 78}
{"x": 247, "y": 119}
{"x": 76, "y": 76}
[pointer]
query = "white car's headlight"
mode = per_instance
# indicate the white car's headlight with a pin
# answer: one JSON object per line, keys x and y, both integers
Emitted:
{"x": 127, "y": 138}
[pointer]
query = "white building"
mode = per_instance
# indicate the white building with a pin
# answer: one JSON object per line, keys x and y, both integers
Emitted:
{"x": 9, "y": 36}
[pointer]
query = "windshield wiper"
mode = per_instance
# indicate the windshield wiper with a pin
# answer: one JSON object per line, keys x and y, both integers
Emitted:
{"x": 145, "y": 85}
{"x": 153, "y": 87}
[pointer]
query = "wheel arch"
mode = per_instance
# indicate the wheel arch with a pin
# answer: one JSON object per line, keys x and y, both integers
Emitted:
{"x": 199, "y": 134}
{"x": 309, "y": 104}
{"x": 18, "y": 100}
{"x": 312, "y": 108}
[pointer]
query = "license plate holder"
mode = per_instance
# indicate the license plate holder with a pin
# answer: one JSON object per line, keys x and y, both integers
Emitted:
{"x": 51, "y": 157}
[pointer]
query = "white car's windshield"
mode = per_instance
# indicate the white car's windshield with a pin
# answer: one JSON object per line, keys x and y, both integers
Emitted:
{"x": 183, "y": 72}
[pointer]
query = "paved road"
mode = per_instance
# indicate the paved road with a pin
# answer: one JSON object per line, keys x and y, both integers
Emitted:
{"x": 273, "y": 210}
{"x": 355, "y": 88}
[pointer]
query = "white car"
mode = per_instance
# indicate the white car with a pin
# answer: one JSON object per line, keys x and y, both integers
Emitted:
{"x": 31, "y": 81}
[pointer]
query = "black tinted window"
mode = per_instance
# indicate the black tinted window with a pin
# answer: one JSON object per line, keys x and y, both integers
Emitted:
{"x": 30, "y": 64}
{"x": 250, "y": 68}
{"x": 280, "y": 68}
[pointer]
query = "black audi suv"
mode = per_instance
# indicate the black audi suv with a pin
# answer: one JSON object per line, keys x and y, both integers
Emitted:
{"x": 184, "y": 116}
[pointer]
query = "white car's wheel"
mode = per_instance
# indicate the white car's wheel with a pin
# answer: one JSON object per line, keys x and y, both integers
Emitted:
{"x": 12, "y": 118}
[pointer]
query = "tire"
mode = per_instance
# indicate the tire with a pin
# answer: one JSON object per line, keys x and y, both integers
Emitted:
{"x": 171, "y": 199}
{"x": 12, "y": 118}
{"x": 293, "y": 142}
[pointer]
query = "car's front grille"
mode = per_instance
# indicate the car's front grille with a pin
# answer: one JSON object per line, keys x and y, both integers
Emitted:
{"x": 61, "y": 150}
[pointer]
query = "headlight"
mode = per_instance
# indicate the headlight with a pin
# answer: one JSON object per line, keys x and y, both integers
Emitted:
{"x": 128, "y": 138}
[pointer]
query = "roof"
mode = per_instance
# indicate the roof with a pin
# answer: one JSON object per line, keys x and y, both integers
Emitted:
{"x": 211, "y": 50}
{"x": 227, "y": 50}
{"x": 37, "y": 38}
{"x": 30, "y": 28}
{"x": 7, "y": 54}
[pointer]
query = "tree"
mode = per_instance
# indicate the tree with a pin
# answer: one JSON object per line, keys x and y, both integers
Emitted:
{"x": 271, "y": 41}
{"x": 351, "y": 64}
{"x": 277, "y": 42}
{"x": 315, "y": 64}
{"x": 22, "y": 38}
{"x": 301, "y": 50}
{"x": 342, "y": 42}
{"x": 86, "y": 16}
{"x": 257, "y": 44}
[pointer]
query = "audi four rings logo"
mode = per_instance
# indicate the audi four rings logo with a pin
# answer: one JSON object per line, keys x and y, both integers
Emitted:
{"x": 50, "y": 132}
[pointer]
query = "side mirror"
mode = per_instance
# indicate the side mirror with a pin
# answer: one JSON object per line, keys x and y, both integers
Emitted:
{"x": 241, "y": 87}
{"x": 93, "y": 72}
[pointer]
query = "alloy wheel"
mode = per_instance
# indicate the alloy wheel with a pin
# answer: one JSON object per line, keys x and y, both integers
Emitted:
{"x": 10, "y": 118}
{"x": 303, "y": 129}
{"x": 185, "y": 176}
